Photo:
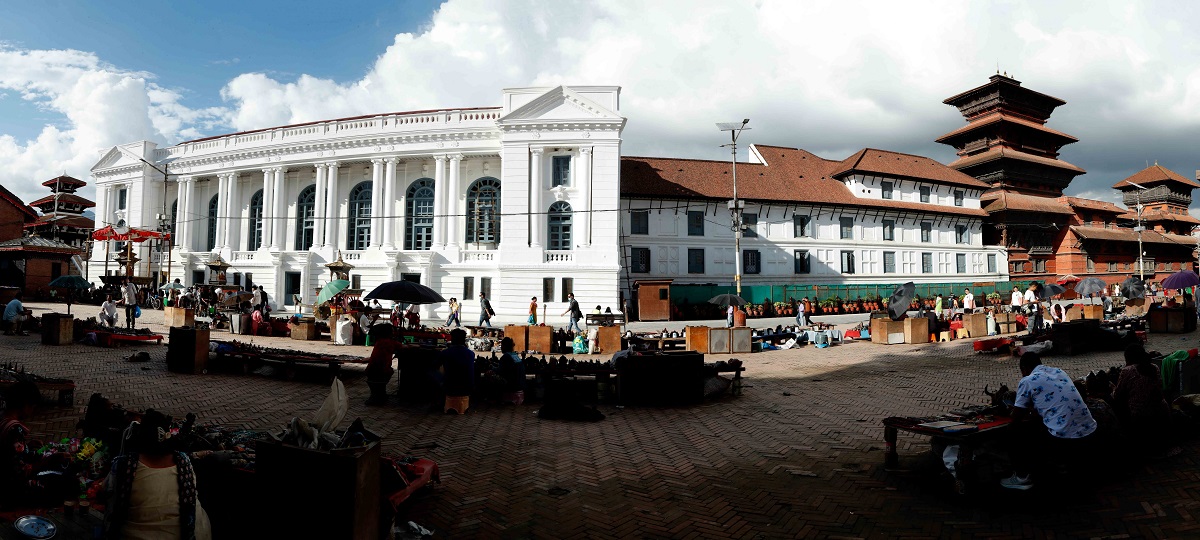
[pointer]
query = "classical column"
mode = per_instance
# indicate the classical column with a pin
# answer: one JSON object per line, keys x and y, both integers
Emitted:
{"x": 267, "y": 209}
{"x": 333, "y": 200}
{"x": 180, "y": 214}
{"x": 376, "y": 203}
{"x": 386, "y": 213}
{"x": 218, "y": 242}
{"x": 186, "y": 210}
{"x": 279, "y": 198}
{"x": 583, "y": 209}
{"x": 453, "y": 220}
{"x": 536, "y": 186}
{"x": 233, "y": 225}
{"x": 319, "y": 208}
{"x": 439, "y": 201}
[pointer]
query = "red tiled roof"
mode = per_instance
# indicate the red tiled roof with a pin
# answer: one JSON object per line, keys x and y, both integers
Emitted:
{"x": 1000, "y": 201}
{"x": 908, "y": 166}
{"x": 1092, "y": 204}
{"x": 1127, "y": 235}
{"x": 63, "y": 197}
{"x": 16, "y": 201}
{"x": 999, "y": 152}
{"x": 790, "y": 175}
{"x": 64, "y": 180}
{"x": 999, "y": 116}
{"x": 1156, "y": 215}
{"x": 37, "y": 244}
{"x": 1154, "y": 174}
{"x": 65, "y": 220}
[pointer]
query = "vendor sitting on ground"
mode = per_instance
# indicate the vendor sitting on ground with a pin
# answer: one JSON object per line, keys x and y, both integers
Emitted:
{"x": 15, "y": 316}
{"x": 458, "y": 366}
{"x": 152, "y": 490}
{"x": 108, "y": 312}
{"x": 379, "y": 364}
{"x": 1050, "y": 420}
{"x": 20, "y": 462}
{"x": 1138, "y": 398}
{"x": 512, "y": 370}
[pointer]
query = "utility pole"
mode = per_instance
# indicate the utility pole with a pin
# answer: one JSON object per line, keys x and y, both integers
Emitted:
{"x": 735, "y": 206}
{"x": 1139, "y": 228}
{"x": 162, "y": 227}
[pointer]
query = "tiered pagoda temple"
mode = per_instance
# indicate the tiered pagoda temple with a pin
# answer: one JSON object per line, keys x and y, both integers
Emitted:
{"x": 62, "y": 216}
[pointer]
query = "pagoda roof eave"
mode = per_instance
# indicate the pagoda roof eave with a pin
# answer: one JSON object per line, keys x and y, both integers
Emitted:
{"x": 993, "y": 118}
{"x": 1002, "y": 152}
{"x": 996, "y": 81}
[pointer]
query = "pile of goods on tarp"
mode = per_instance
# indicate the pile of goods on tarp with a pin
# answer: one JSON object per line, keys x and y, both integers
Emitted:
{"x": 272, "y": 353}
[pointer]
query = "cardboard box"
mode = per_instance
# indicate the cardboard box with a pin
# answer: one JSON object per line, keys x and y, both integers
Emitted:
{"x": 916, "y": 330}
{"x": 175, "y": 316}
{"x": 58, "y": 329}
{"x": 696, "y": 339}
{"x": 881, "y": 329}
{"x": 1094, "y": 311}
{"x": 975, "y": 324}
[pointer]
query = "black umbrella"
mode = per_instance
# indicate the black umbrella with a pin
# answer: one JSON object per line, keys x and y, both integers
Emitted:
{"x": 1133, "y": 288}
{"x": 900, "y": 301}
{"x": 405, "y": 292}
{"x": 1050, "y": 290}
{"x": 727, "y": 299}
{"x": 71, "y": 283}
{"x": 1091, "y": 285}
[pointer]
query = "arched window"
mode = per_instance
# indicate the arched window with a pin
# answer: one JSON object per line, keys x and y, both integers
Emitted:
{"x": 559, "y": 232}
{"x": 255, "y": 231}
{"x": 358, "y": 235}
{"x": 483, "y": 211}
{"x": 418, "y": 220}
{"x": 120, "y": 246}
{"x": 212, "y": 222}
{"x": 306, "y": 205}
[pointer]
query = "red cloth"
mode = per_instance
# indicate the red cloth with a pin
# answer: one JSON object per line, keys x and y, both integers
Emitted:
{"x": 404, "y": 476}
{"x": 955, "y": 325}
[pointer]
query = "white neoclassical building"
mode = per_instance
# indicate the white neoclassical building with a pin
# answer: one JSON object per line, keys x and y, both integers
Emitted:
{"x": 513, "y": 201}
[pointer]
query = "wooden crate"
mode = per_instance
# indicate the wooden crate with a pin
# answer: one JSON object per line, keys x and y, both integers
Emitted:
{"x": 609, "y": 338}
{"x": 58, "y": 329}
{"x": 187, "y": 352}
{"x": 975, "y": 324}
{"x": 916, "y": 330}
{"x": 1093, "y": 311}
{"x": 696, "y": 339}
{"x": 175, "y": 316}
{"x": 338, "y": 489}
{"x": 740, "y": 340}
{"x": 519, "y": 335}
{"x": 541, "y": 339}
{"x": 719, "y": 340}
{"x": 305, "y": 330}
{"x": 881, "y": 330}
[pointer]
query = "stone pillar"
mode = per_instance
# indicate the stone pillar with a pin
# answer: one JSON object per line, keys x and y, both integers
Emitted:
{"x": 319, "y": 208}
{"x": 189, "y": 215}
{"x": 439, "y": 201}
{"x": 387, "y": 212}
{"x": 222, "y": 198}
{"x": 537, "y": 214}
{"x": 268, "y": 188}
{"x": 180, "y": 210}
{"x": 376, "y": 204}
{"x": 333, "y": 200}
{"x": 279, "y": 216}
{"x": 453, "y": 219}
{"x": 583, "y": 210}
{"x": 233, "y": 227}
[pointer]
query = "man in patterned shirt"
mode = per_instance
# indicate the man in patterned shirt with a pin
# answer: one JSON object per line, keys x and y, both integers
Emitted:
{"x": 1045, "y": 393}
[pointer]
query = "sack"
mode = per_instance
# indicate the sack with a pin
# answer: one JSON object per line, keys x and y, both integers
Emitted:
{"x": 137, "y": 312}
{"x": 532, "y": 319}
{"x": 491, "y": 312}
{"x": 579, "y": 346}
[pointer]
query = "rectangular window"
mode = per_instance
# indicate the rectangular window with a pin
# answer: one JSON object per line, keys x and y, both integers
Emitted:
{"x": 1039, "y": 265}
{"x": 468, "y": 288}
{"x": 991, "y": 263}
{"x": 695, "y": 223}
{"x": 485, "y": 287}
{"x": 751, "y": 263}
{"x": 889, "y": 262}
{"x": 926, "y": 231}
{"x": 889, "y": 229}
{"x": 639, "y": 222}
{"x": 355, "y": 281}
{"x": 122, "y": 196}
{"x": 961, "y": 235}
{"x": 641, "y": 260}
{"x": 926, "y": 263}
{"x": 800, "y": 226}
{"x": 960, "y": 263}
{"x": 802, "y": 266}
{"x": 1091, "y": 265}
{"x": 1112, "y": 267}
{"x": 847, "y": 228}
{"x": 847, "y": 262}
{"x": 886, "y": 189}
{"x": 924, "y": 194}
{"x": 958, "y": 197}
{"x": 561, "y": 167}
{"x": 568, "y": 287}
{"x": 751, "y": 225}
{"x": 547, "y": 289}
{"x": 695, "y": 261}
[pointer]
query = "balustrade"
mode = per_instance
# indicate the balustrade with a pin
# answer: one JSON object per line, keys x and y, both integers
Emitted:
{"x": 559, "y": 256}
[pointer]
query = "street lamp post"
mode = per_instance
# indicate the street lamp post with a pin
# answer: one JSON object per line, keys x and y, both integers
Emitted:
{"x": 735, "y": 129}
{"x": 1139, "y": 228}
{"x": 163, "y": 217}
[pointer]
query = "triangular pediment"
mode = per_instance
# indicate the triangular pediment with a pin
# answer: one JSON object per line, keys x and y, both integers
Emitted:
{"x": 561, "y": 104}
{"x": 114, "y": 157}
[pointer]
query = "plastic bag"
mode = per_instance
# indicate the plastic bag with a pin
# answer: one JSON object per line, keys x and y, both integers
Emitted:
{"x": 580, "y": 345}
{"x": 137, "y": 312}
{"x": 334, "y": 409}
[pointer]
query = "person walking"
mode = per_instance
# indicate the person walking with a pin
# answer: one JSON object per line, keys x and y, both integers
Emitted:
{"x": 729, "y": 316}
{"x": 1035, "y": 309}
{"x": 801, "y": 314}
{"x": 533, "y": 311}
{"x": 485, "y": 311}
{"x": 575, "y": 312}
{"x": 968, "y": 301}
{"x": 129, "y": 295}
{"x": 454, "y": 314}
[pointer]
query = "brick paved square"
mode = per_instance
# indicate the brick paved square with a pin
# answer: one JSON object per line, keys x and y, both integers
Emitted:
{"x": 799, "y": 455}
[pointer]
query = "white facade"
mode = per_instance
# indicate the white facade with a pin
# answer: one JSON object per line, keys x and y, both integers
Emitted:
{"x": 420, "y": 187}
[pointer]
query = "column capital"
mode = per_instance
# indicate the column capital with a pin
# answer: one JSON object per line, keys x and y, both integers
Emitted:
{"x": 376, "y": 161}
{"x": 391, "y": 160}
{"x": 185, "y": 179}
{"x": 281, "y": 169}
{"x": 537, "y": 150}
{"x": 585, "y": 150}
{"x": 455, "y": 157}
{"x": 439, "y": 157}
{"x": 268, "y": 170}
{"x": 320, "y": 166}
{"x": 332, "y": 164}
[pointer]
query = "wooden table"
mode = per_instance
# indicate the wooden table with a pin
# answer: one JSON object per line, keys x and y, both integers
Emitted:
{"x": 966, "y": 441}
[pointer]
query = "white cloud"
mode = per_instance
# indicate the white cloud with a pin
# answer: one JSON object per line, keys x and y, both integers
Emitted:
{"x": 828, "y": 76}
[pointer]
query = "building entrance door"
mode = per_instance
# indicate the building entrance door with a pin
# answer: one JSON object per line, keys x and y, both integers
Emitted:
{"x": 291, "y": 287}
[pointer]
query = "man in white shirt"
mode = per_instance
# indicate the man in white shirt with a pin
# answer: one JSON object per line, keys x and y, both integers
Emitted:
{"x": 1035, "y": 309}
{"x": 130, "y": 298}
{"x": 968, "y": 301}
{"x": 108, "y": 312}
{"x": 1017, "y": 300}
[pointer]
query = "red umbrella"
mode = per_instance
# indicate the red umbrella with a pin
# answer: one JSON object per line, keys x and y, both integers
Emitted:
{"x": 124, "y": 234}
{"x": 1069, "y": 278}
